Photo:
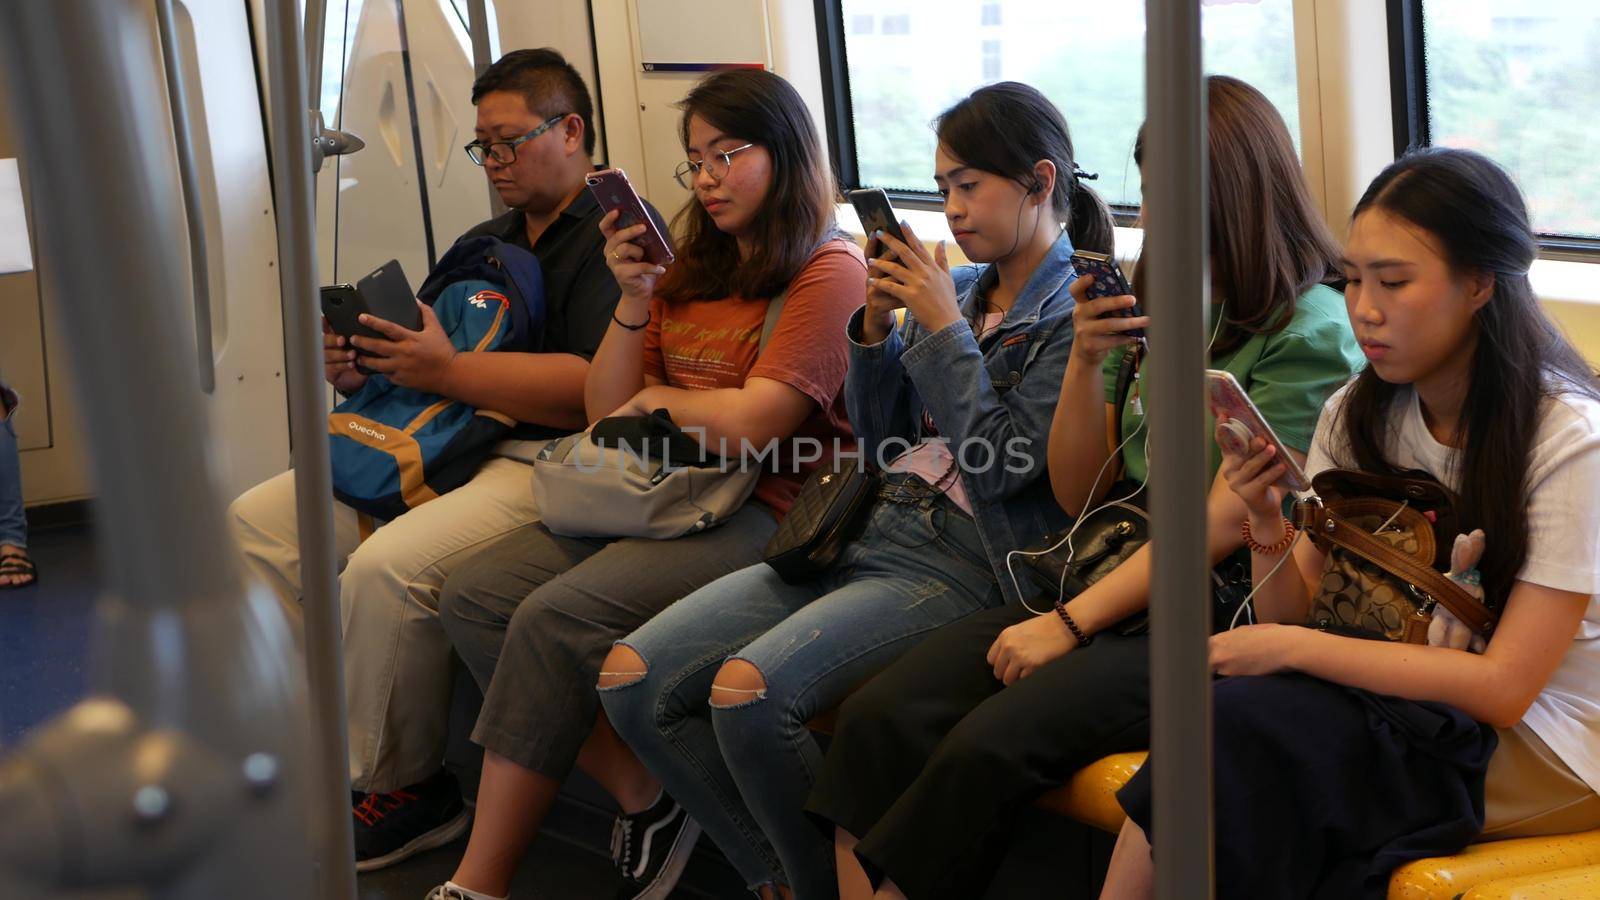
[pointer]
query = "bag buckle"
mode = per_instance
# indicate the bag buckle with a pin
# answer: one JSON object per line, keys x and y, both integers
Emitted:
{"x": 1428, "y": 603}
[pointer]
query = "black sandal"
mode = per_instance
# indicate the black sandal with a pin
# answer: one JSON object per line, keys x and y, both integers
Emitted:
{"x": 15, "y": 563}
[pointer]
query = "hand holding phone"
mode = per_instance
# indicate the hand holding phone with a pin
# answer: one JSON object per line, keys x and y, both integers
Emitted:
{"x": 1239, "y": 424}
{"x": 876, "y": 214}
{"x": 339, "y": 366}
{"x": 615, "y": 193}
{"x": 384, "y": 293}
{"x": 1108, "y": 282}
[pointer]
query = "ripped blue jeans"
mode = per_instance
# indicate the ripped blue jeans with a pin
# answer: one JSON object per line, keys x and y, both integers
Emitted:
{"x": 744, "y": 769}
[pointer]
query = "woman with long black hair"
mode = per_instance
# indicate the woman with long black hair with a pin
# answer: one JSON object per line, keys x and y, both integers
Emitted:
{"x": 955, "y": 405}
{"x": 1352, "y": 756}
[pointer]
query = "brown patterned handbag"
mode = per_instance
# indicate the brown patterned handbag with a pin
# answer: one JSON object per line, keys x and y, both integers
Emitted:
{"x": 1388, "y": 540}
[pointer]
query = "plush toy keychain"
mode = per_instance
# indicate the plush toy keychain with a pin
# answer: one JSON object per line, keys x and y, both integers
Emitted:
{"x": 1446, "y": 630}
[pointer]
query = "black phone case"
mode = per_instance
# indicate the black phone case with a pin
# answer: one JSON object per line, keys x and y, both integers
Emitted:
{"x": 388, "y": 296}
{"x": 1108, "y": 282}
{"x": 342, "y": 306}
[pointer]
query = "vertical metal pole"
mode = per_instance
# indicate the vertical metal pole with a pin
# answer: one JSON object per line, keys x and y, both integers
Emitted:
{"x": 316, "y": 25}
{"x": 1176, "y": 252}
{"x": 189, "y": 173}
{"x": 478, "y": 27}
{"x": 308, "y": 423}
{"x": 189, "y": 653}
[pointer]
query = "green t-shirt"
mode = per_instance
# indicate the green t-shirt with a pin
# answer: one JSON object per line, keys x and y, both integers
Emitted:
{"x": 1288, "y": 376}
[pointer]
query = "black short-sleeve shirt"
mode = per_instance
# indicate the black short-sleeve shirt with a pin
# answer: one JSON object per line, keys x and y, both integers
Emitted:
{"x": 580, "y": 294}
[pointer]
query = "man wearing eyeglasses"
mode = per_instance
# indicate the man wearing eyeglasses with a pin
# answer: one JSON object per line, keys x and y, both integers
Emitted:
{"x": 535, "y": 140}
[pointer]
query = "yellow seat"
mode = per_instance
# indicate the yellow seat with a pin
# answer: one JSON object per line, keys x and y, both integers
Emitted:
{"x": 1567, "y": 884}
{"x": 1091, "y": 795}
{"x": 1521, "y": 868}
{"x": 1522, "y": 859}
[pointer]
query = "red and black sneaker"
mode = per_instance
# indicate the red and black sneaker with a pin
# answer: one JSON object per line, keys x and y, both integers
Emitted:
{"x": 391, "y": 827}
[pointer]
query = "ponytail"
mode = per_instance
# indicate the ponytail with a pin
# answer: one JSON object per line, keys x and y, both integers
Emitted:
{"x": 1089, "y": 222}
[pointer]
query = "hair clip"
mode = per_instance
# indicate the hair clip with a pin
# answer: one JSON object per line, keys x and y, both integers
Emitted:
{"x": 1081, "y": 175}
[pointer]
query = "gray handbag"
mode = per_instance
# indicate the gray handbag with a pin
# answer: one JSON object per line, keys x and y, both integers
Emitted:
{"x": 586, "y": 489}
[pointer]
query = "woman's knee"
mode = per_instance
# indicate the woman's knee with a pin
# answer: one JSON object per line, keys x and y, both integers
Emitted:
{"x": 750, "y": 712}
{"x": 633, "y": 700}
{"x": 738, "y": 683}
{"x": 623, "y": 667}
{"x": 466, "y": 610}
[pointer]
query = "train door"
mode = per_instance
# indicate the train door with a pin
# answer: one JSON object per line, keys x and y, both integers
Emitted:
{"x": 398, "y": 74}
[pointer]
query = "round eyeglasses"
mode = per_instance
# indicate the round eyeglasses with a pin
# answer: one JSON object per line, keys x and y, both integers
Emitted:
{"x": 505, "y": 152}
{"x": 716, "y": 164}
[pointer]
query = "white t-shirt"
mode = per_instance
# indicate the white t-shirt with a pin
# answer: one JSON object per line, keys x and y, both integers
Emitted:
{"x": 1563, "y": 546}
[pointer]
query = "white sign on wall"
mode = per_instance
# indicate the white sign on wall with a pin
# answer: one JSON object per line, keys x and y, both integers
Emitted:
{"x": 693, "y": 35}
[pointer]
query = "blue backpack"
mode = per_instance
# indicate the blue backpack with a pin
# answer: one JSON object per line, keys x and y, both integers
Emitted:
{"x": 394, "y": 448}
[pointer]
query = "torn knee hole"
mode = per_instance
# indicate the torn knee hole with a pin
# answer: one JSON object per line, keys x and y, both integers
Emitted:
{"x": 737, "y": 682}
{"x": 623, "y": 666}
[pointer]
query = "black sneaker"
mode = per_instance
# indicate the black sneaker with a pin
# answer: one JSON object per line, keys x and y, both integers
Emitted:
{"x": 391, "y": 827}
{"x": 651, "y": 848}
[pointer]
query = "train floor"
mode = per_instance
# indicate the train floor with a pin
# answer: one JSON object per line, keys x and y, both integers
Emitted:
{"x": 44, "y": 669}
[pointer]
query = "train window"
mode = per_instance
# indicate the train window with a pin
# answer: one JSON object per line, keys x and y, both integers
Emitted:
{"x": 1088, "y": 58}
{"x": 339, "y": 34}
{"x": 1514, "y": 79}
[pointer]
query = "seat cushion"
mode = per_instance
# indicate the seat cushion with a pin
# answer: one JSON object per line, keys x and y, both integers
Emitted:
{"x": 1568, "y": 884}
{"x": 1091, "y": 795}
{"x": 1446, "y": 877}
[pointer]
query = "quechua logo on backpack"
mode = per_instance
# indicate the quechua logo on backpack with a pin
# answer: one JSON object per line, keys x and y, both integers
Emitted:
{"x": 482, "y": 299}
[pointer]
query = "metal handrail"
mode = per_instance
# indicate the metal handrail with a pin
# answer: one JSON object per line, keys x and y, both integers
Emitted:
{"x": 478, "y": 28}
{"x": 189, "y": 175}
{"x": 1175, "y": 251}
{"x": 315, "y": 28}
{"x": 291, "y": 117}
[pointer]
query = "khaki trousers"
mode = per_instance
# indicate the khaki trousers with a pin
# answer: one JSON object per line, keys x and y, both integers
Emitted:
{"x": 1531, "y": 792}
{"x": 397, "y": 658}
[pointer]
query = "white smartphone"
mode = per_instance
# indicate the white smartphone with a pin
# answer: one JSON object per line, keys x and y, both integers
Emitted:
{"x": 1245, "y": 424}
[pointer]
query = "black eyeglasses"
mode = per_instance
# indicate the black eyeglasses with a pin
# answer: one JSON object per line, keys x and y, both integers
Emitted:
{"x": 505, "y": 152}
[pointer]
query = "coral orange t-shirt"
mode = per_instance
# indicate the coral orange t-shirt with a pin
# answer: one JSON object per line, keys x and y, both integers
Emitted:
{"x": 710, "y": 344}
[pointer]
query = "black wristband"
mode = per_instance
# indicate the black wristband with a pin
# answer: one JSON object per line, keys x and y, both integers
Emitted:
{"x": 1083, "y": 639}
{"x": 626, "y": 325}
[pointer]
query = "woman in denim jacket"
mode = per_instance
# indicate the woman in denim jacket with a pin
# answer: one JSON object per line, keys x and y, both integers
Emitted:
{"x": 955, "y": 406}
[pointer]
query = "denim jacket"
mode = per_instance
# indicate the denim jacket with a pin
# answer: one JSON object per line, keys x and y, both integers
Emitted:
{"x": 1001, "y": 393}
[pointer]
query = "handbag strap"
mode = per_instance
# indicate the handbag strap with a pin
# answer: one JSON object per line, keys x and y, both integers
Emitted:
{"x": 774, "y": 310}
{"x": 1323, "y": 524}
{"x": 1125, "y": 376}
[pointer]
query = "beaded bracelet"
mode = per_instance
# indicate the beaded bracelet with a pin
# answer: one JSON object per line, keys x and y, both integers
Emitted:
{"x": 1275, "y": 549}
{"x": 1083, "y": 639}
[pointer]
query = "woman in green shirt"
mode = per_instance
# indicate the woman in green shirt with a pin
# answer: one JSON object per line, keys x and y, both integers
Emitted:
{"x": 932, "y": 757}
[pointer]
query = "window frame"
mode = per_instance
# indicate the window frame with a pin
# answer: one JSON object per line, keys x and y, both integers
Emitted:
{"x": 1408, "y": 89}
{"x": 841, "y": 136}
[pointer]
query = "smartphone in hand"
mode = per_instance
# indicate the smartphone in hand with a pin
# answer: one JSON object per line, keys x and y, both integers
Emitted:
{"x": 614, "y": 192}
{"x": 383, "y": 293}
{"x": 876, "y": 214}
{"x": 1108, "y": 282}
{"x": 1245, "y": 424}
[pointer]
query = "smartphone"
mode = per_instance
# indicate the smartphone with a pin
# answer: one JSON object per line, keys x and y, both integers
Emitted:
{"x": 872, "y": 206}
{"x": 1108, "y": 282}
{"x": 384, "y": 293}
{"x": 613, "y": 191}
{"x": 1245, "y": 424}
{"x": 388, "y": 296}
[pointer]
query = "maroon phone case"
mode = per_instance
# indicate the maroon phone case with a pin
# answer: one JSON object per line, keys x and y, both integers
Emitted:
{"x": 613, "y": 191}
